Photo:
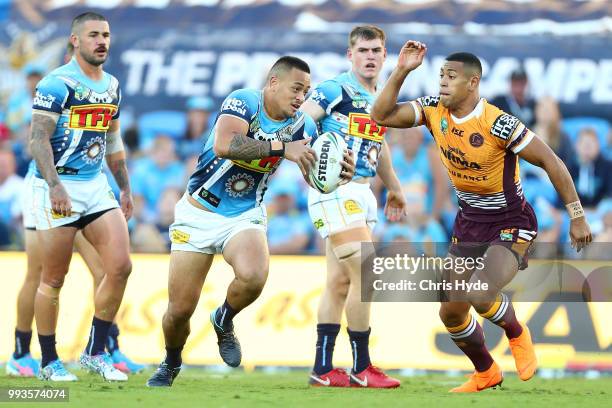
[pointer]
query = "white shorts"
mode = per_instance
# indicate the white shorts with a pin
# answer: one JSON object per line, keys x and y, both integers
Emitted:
{"x": 197, "y": 230}
{"x": 350, "y": 203}
{"x": 27, "y": 203}
{"x": 87, "y": 196}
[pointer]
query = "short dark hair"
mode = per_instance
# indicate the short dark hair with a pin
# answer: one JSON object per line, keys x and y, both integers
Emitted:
{"x": 286, "y": 63}
{"x": 87, "y": 16}
{"x": 366, "y": 32}
{"x": 469, "y": 60}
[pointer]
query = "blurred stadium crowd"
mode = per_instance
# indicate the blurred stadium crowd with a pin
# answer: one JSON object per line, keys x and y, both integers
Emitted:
{"x": 164, "y": 148}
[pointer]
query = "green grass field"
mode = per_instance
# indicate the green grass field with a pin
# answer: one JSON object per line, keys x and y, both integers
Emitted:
{"x": 199, "y": 388}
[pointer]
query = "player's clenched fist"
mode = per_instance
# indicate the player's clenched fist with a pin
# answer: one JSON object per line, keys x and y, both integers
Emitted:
{"x": 411, "y": 55}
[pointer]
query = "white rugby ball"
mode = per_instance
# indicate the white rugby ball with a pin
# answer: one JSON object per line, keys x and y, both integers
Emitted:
{"x": 325, "y": 175}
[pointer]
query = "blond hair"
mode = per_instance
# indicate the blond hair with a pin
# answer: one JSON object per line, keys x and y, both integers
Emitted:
{"x": 366, "y": 32}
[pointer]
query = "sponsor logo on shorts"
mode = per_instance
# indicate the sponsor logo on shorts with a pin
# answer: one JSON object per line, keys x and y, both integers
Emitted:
{"x": 507, "y": 234}
{"x": 179, "y": 237}
{"x": 361, "y": 125}
{"x": 318, "y": 224}
{"x": 352, "y": 207}
{"x": 258, "y": 221}
{"x": 94, "y": 117}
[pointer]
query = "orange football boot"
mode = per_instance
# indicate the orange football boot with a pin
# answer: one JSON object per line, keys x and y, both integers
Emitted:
{"x": 482, "y": 380}
{"x": 524, "y": 354}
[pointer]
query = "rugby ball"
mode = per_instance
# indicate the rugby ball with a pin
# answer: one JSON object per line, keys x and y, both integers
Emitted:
{"x": 325, "y": 175}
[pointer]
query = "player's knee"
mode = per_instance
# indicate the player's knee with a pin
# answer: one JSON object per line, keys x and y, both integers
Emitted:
{"x": 253, "y": 277}
{"x": 338, "y": 286}
{"x": 452, "y": 315}
{"x": 55, "y": 282}
{"x": 122, "y": 268}
{"x": 179, "y": 312}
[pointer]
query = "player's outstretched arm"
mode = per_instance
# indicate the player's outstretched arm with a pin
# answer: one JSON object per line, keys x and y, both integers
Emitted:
{"x": 43, "y": 127}
{"x": 386, "y": 110}
{"x": 539, "y": 154}
{"x": 116, "y": 160}
{"x": 395, "y": 206}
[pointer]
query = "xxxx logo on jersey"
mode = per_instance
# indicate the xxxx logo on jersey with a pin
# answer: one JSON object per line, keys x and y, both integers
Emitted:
{"x": 361, "y": 125}
{"x": 95, "y": 117}
{"x": 264, "y": 165}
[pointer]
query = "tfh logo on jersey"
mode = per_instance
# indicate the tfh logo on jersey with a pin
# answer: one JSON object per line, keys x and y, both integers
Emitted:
{"x": 361, "y": 125}
{"x": 264, "y": 165}
{"x": 96, "y": 117}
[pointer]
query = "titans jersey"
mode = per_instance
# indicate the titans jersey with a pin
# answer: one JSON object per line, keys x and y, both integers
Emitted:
{"x": 231, "y": 187}
{"x": 480, "y": 153}
{"x": 86, "y": 108}
{"x": 347, "y": 106}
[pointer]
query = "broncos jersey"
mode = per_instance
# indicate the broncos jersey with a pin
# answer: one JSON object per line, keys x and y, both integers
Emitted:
{"x": 86, "y": 108}
{"x": 347, "y": 105}
{"x": 231, "y": 187}
{"x": 480, "y": 152}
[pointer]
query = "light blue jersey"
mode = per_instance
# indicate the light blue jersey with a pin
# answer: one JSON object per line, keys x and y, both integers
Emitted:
{"x": 86, "y": 108}
{"x": 231, "y": 187}
{"x": 347, "y": 105}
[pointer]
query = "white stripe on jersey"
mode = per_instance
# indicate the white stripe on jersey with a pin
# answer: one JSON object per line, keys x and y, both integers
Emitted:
{"x": 261, "y": 187}
{"x": 333, "y": 104}
{"x": 218, "y": 174}
{"x": 76, "y": 138}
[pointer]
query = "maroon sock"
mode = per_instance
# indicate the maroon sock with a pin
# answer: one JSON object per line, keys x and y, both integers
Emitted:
{"x": 502, "y": 315}
{"x": 469, "y": 337}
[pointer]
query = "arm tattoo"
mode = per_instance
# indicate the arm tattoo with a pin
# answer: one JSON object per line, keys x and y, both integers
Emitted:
{"x": 120, "y": 173}
{"x": 244, "y": 148}
{"x": 43, "y": 127}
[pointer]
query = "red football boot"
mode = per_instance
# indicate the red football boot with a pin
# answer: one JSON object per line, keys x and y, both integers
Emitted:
{"x": 334, "y": 378}
{"x": 373, "y": 377}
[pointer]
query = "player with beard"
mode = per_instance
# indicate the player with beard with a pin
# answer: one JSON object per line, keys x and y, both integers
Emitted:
{"x": 75, "y": 124}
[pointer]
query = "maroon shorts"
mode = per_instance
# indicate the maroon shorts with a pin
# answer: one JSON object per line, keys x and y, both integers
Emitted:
{"x": 515, "y": 232}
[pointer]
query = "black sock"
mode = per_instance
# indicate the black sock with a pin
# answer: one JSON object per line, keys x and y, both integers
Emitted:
{"x": 47, "y": 348}
{"x": 97, "y": 336}
{"x": 326, "y": 340}
{"x": 112, "y": 341}
{"x": 22, "y": 343}
{"x": 173, "y": 357}
{"x": 361, "y": 352}
{"x": 225, "y": 314}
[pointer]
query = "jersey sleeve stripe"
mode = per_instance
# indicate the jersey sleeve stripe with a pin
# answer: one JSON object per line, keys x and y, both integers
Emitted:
{"x": 524, "y": 142}
{"x": 517, "y": 133}
{"x": 234, "y": 116}
{"x": 417, "y": 113}
{"x": 333, "y": 103}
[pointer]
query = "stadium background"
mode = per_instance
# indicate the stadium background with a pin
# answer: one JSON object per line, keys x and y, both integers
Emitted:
{"x": 176, "y": 60}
